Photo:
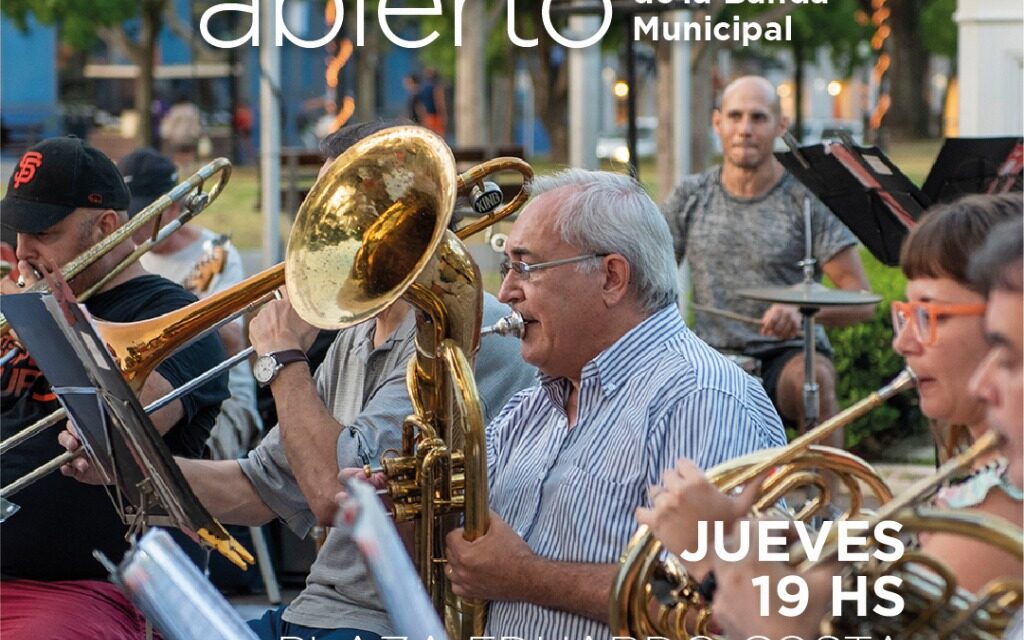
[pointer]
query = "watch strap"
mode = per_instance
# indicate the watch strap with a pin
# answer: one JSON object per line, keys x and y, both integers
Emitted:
{"x": 288, "y": 356}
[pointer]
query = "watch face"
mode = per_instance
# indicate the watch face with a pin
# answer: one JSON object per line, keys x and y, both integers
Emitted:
{"x": 264, "y": 368}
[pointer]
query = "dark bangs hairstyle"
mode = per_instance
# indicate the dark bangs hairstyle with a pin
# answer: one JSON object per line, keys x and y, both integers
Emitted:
{"x": 943, "y": 241}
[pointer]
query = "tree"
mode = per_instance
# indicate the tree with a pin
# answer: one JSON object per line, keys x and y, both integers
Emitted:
{"x": 919, "y": 28}
{"x": 83, "y": 21}
{"x": 840, "y": 27}
{"x": 909, "y": 77}
{"x": 546, "y": 63}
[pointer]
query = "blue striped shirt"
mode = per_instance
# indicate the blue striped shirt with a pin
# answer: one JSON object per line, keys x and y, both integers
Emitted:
{"x": 657, "y": 394}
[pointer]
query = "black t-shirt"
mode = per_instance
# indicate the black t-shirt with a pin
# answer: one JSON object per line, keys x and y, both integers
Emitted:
{"x": 61, "y": 520}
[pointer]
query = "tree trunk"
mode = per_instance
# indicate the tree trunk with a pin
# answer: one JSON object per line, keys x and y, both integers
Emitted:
{"x": 503, "y": 105}
{"x": 908, "y": 75}
{"x": 551, "y": 98}
{"x": 799, "y": 68}
{"x": 702, "y": 105}
{"x": 470, "y": 78}
{"x": 367, "y": 61}
{"x": 145, "y": 58}
{"x": 550, "y": 81}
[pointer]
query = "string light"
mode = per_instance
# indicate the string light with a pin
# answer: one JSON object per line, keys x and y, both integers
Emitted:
{"x": 332, "y": 76}
{"x": 880, "y": 19}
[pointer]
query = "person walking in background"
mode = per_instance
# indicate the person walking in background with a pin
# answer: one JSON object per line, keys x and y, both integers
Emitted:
{"x": 415, "y": 111}
{"x": 432, "y": 96}
{"x": 242, "y": 121}
{"x": 180, "y": 131}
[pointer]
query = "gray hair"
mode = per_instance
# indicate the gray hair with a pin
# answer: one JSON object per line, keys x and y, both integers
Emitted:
{"x": 604, "y": 212}
{"x": 997, "y": 265}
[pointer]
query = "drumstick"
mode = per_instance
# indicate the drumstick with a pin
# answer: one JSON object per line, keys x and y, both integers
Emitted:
{"x": 726, "y": 314}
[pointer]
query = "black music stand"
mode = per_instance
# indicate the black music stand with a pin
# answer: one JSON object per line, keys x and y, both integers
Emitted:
{"x": 863, "y": 188}
{"x": 975, "y": 165}
{"x": 148, "y": 487}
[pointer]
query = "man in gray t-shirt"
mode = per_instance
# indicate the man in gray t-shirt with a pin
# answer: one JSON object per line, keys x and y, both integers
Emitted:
{"x": 741, "y": 225}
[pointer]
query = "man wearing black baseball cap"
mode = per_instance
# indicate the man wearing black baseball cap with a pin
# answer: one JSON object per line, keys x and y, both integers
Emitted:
{"x": 63, "y": 197}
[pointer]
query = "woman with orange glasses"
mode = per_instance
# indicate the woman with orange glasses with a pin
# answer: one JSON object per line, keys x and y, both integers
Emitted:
{"x": 939, "y": 331}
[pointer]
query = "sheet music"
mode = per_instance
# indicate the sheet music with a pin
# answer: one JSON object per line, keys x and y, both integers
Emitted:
{"x": 411, "y": 611}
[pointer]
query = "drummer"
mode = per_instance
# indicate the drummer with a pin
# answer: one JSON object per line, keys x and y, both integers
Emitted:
{"x": 741, "y": 225}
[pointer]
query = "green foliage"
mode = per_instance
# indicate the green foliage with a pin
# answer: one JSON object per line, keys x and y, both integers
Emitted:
{"x": 834, "y": 25}
{"x": 938, "y": 30}
{"x": 865, "y": 361}
{"x": 441, "y": 53}
{"x": 79, "y": 19}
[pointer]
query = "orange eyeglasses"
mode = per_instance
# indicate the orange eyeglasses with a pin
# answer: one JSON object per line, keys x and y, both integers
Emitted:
{"x": 926, "y": 315}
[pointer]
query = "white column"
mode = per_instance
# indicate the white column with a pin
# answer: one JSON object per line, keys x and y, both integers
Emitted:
{"x": 682, "y": 130}
{"x": 681, "y": 97}
{"x": 524, "y": 88}
{"x": 990, "y": 64}
{"x": 270, "y": 137}
{"x": 584, "y": 94}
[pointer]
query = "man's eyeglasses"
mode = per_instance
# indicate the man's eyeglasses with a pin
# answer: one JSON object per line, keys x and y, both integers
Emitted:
{"x": 523, "y": 269}
{"x": 925, "y": 316}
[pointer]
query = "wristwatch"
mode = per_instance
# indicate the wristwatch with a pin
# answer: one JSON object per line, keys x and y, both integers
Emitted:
{"x": 268, "y": 365}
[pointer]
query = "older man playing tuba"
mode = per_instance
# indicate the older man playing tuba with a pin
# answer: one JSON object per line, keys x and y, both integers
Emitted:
{"x": 625, "y": 389}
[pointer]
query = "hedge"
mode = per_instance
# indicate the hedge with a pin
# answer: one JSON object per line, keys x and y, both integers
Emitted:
{"x": 865, "y": 361}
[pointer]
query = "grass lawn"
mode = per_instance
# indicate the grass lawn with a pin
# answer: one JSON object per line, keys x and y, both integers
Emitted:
{"x": 236, "y": 211}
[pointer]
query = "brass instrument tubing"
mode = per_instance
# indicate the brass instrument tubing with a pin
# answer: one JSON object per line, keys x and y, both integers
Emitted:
{"x": 82, "y": 262}
{"x": 915, "y": 493}
{"x": 900, "y": 383}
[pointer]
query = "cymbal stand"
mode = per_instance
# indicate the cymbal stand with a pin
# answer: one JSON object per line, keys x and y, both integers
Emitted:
{"x": 810, "y": 383}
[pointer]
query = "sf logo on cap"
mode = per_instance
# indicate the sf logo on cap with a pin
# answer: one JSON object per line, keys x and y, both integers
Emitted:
{"x": 27, "y": 168}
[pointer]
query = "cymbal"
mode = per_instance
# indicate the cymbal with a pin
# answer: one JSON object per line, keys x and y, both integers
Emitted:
{"x": 810, "y": 294}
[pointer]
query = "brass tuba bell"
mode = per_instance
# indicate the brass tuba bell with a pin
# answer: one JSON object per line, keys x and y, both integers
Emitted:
{"x": 374, "y": 229}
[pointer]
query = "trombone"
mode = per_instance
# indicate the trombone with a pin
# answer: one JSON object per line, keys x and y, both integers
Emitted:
{"x": 138, "y": 347}
{"x": 193, "y": 199}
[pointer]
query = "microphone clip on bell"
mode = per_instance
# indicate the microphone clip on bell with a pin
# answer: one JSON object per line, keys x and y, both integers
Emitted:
{"x": 486, "y": 197}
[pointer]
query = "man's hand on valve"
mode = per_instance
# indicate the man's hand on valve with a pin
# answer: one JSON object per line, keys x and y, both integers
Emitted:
{"x": 377, "y": 480}
{"x": 493, "y": 566}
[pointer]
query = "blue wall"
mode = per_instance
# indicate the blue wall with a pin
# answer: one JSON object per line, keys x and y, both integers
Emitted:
{"x": 28, "y": 91}
{"x": 28, "y": 82}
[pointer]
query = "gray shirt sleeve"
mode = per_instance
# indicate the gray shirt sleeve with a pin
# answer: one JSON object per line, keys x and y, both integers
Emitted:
{"x": 679, "y": 207}
{"x": 830, "y": 235}
{"x": 267, "y": 468}
{"x": 377, "y": 428}
{"x": 674, "y": 212}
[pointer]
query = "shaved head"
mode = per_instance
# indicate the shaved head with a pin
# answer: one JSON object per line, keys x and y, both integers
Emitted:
{"x": 747, "y": 123}
{"x": 753, "y": 86}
